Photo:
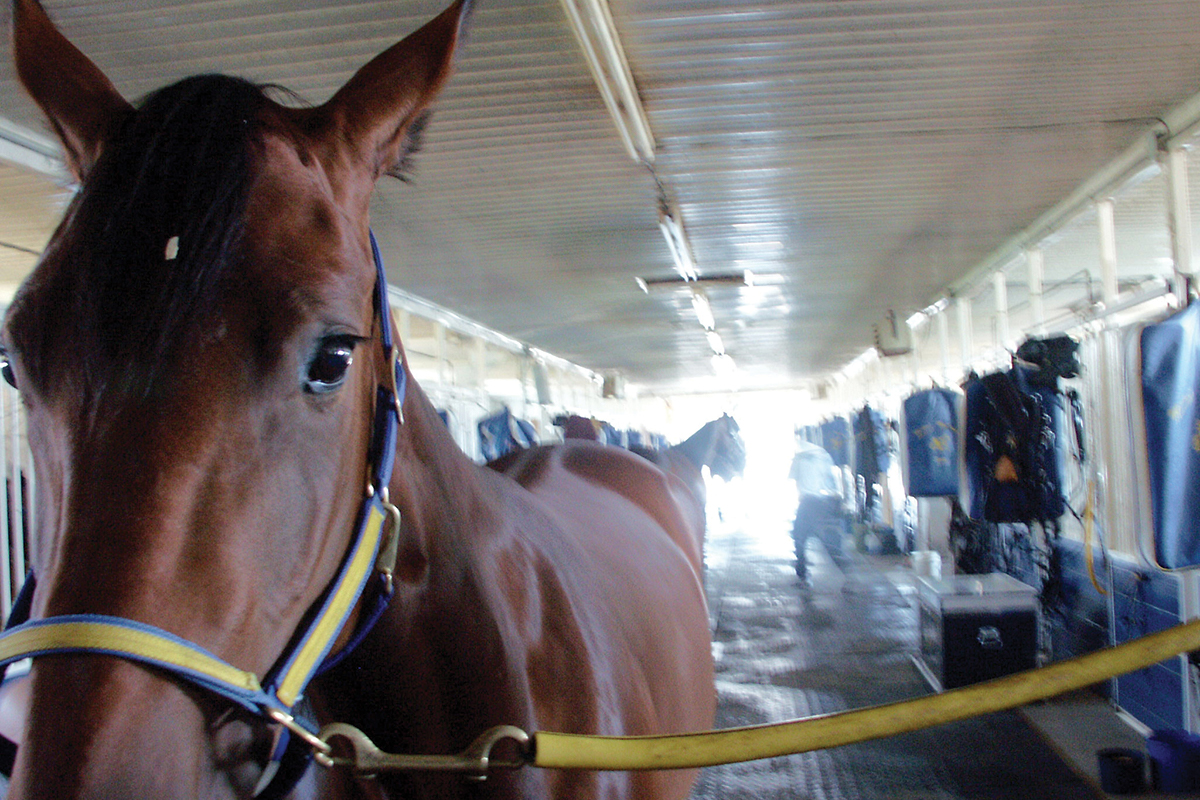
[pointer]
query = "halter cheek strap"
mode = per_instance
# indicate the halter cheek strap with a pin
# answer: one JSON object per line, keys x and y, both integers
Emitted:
{"x": 371, "y": 554}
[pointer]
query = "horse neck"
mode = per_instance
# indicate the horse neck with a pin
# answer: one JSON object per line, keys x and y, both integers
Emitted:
{"x": 439, "y": 637}
{"x": 439, "y": 491}
{"x": 698, "y": 448}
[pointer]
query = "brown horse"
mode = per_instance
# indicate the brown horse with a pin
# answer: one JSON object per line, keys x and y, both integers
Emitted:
{"x": 199, "y": 353}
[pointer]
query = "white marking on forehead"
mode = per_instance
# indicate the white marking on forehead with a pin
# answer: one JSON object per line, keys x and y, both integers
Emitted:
{"x": 172, "y": 251}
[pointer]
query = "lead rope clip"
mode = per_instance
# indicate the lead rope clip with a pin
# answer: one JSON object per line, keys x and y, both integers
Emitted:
{"x": 366, "y": 760}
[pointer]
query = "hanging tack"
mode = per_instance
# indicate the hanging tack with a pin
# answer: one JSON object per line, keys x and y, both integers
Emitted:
{"x": 172, "y": 251}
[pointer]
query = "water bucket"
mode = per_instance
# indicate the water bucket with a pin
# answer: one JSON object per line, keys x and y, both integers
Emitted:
{"x": 927, "y": 564}
{"x": 1174, "y": 760}
{"x": 1122, "y": 770}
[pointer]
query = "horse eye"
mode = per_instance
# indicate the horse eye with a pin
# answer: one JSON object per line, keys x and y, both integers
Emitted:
{"x": 6, "y": 370}
{"x": 327, "y": 370}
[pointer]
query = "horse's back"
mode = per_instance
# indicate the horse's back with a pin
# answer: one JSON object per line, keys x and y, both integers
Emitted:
{"x": 619, "y": 556}
{"x": 659, "y": 492}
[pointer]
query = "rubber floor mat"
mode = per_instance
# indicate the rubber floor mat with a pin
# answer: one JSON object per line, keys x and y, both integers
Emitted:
{"x": 842, "y": 640}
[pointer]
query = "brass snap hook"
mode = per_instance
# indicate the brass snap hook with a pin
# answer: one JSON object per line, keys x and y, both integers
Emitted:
{"x": 366, "y": 760}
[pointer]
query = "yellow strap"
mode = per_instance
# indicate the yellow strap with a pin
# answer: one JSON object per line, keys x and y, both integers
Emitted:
{"x": 573, "y": 751}
{"x": 103, "y": 636}
{"x": 330, "y": 624}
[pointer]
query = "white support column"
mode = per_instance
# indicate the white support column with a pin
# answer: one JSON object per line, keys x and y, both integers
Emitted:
{"x": 1037, "y": 277}
{"x": 943, "y": 325}
{"x": 1103, "y": 457}
{"x": 16, "y": 508}
{"x": 404, "y": 323}
{"x": 479, "y": 363}
{"x": 1000, "y": 286}
{"x": 8, "y": 580}
{"x": 526, "y": 377}
{"x": 1179, "y": 219}
{"x": 965, "y": 335}
{"x": 1108, "y": 250}
{"x": 439, "y": 339}
{"x": 30, "y": 486}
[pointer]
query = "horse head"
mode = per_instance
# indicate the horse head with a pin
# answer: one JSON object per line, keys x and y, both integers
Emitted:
{"x": 728, "y": 454}
{"x": 199, "y": 354}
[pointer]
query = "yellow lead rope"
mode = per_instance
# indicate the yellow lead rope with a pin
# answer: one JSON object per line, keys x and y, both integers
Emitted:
{"x": 575, "y": 751}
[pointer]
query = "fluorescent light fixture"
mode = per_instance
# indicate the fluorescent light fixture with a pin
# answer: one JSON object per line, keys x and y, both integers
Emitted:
{"x": 677, "y": 242}
{"x": 860, "y": 362}
{"x": 703, "y": 309}
{"x": 33, "y": 150}
{"x": 723, "y": 365}
{"x": 714, "y": 341}
{"x": 927, "y": 313}
{"x": 592, "y": 23}
{"x": 729, "y": 280}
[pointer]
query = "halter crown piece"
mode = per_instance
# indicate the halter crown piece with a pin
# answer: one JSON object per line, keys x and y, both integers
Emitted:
{"x": 371, "y": 553}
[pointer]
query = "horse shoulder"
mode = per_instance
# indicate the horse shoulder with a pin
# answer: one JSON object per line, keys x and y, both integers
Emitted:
{"x": 605, "y": 538}
{"x": 572, "y": 569}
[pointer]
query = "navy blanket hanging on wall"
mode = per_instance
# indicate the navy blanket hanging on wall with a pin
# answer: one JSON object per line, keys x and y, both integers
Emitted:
{"x": 502, "y": 433}
{"x": 1012, "y": 448}
{"x": 835, "y": 438}
{"x": 872, "y": 453}
{"x": 1170, "y": 382}
{"x": 931, "y": 442}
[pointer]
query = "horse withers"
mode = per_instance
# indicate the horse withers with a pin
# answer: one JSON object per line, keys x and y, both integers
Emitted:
{"x": 204, "y": 351}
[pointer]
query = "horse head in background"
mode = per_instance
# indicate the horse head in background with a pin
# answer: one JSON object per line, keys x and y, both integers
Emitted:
{"x": 215, "y": 401}
{"x": 717, "y": 445}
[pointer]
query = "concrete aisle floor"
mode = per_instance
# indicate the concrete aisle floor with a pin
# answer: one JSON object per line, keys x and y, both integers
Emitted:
{"x": 844, "y": 639}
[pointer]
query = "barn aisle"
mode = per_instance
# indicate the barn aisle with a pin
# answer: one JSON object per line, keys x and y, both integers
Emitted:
{"x": 785, "y": 650}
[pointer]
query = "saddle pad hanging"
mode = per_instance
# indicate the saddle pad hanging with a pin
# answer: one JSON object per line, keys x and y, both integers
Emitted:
{"x": 1012, "y": 449}
{"x": 503, "y": 433}
{"x": 872, "y": 453}
{"x": 835, "y": 438}
{"x": 931, "y": 442}
{"x": 1169, "y": 378}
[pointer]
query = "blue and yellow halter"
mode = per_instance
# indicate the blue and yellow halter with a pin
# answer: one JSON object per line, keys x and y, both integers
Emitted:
{"x": 273, "y": 698}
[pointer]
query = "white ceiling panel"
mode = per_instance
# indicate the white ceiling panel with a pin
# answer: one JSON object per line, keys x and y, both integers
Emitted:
{"x": 861, "y": 155}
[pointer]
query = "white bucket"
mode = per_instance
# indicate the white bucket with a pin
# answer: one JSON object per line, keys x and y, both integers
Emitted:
{"x": 927, "y": 564}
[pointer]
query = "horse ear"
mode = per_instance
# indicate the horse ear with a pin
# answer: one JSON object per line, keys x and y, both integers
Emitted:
{"x": 80, "y": 102}
{"x": 373, "y": 111}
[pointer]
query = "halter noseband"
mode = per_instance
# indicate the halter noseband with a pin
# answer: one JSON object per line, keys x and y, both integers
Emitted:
{"x": 371, "y": 553}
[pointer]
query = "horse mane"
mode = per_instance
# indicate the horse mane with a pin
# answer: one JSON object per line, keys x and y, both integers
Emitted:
{"x": 178, "y": 166}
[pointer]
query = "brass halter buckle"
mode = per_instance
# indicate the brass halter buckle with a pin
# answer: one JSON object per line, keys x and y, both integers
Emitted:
{"x": 393, "y": 359}
{"x": 366, "y": 760}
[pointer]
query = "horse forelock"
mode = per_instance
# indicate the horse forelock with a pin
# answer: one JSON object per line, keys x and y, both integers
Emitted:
{"x": 154, "y": 232}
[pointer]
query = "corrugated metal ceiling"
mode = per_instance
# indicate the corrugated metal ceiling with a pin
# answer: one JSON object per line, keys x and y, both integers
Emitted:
{"x": 859, "y": 155}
